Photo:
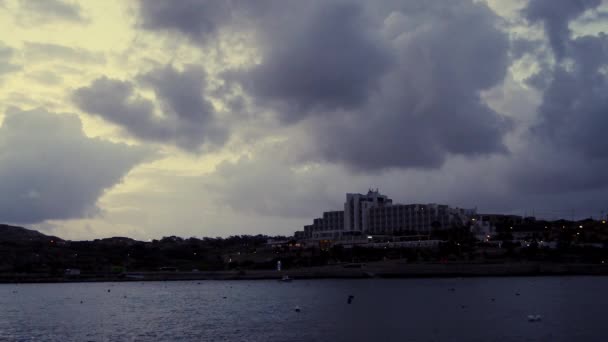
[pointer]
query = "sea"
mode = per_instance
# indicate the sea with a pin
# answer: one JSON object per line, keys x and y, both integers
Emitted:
{"x": 450, "y": 309}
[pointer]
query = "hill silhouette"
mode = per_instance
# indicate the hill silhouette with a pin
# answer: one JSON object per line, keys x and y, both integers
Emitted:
{"x": 19, "y": 234}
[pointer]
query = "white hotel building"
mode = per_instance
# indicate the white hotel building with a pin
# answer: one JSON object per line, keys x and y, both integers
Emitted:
{"x": 375, "y": 214}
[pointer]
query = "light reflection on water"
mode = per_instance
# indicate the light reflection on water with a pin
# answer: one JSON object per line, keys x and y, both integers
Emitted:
{"x": 383, "y": 309}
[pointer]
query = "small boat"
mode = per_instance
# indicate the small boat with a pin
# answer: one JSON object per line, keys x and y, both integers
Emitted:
{"x": 285, "y": 279}
{"x": 534, "y": 318}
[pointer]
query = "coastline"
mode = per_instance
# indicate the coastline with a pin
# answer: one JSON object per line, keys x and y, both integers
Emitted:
{"x": 369, "y": 270}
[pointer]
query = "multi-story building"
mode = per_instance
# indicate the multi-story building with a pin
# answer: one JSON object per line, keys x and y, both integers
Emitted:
{"x": 403, "y": 218}
{"x": 356, "y": 208}
{"x": 375, "y": 214}
{"x": 329, "y": 226}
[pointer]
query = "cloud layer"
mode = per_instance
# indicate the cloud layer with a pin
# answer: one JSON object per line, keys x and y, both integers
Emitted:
{"x": 186, "y": 117}
{"x": 266, "y": 112}
{"x": 50, "y": 170}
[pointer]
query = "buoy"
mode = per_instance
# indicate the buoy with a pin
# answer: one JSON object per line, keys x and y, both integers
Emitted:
{"x": 463, "y": 306}
{"x": 350, "y": 299}
{"x": 108, "y": 290}
{"x": 81, "y": 302}
{"x": 517, "y": 293}
{"x": 224, "y": 297}
{"x": 492, "y": 299}
{"x": 451, "y": 289}
{"x": 297, "y": 309}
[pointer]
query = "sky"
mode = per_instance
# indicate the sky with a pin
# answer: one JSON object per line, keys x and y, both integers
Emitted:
{"x": 152, "y": 118}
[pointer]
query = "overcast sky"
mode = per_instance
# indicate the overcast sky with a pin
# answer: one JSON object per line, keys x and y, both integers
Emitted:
{"x": 153, "y": 118}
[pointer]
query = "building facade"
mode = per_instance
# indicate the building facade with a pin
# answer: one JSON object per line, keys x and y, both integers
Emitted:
{"x": 375, "y": 214}
{"x": 329, "y": 226}
{"x": 421, "y": 218}
{"x": 357, "y": 206}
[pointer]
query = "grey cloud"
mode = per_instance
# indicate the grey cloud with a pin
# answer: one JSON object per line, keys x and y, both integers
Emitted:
{"x": 520, "y": 47}
{"x": 6, "y": 54}
{"x": 566, "y": 151}
{"x": 377, "y": 86}
{"x": 49, "y": 169}
{"x": 556, "y": 15}
{"x": 44, "y": 10}
{"x": 116, "y": 101}
{"x": 181, "y": 93}
{"x": 542, "y": 169}
{"x": 44, "y": 52}
{"x": 188, "y": 119}
{"x": 325, "y": 58}
{"x": 428, "y": 104}
{"x": 196, "y": 19}
{"x": 575, "y": 104}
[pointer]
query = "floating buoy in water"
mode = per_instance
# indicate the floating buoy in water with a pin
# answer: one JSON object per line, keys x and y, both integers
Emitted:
{"x": 108, "y": 290}
{"x": 224, "y": 297}
{"x": 517, "y": 293}
{"x": 81, "y": 302}
{"x": 451, "y": 289}
{"x": 297, "y": 309}
{"x": 350, "y": 299}
{"x": 493, "y": 299}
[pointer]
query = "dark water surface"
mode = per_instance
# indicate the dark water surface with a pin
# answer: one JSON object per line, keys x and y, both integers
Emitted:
{"x": 572, "y": 309}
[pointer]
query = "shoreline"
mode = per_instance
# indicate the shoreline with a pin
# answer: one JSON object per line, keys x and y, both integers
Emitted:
{"x": 384, "y": 270}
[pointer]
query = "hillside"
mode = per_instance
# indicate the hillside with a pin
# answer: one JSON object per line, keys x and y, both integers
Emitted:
{"x": 18, "y": 234}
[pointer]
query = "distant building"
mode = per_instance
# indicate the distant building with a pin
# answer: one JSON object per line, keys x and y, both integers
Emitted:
{"x": 329, "y": 226}
{"x": 374, "y": 213}
{"x": 422, "y": 218}
{"x": 357, "y": 206}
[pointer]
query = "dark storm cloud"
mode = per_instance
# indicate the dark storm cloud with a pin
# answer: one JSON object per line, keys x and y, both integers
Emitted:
{"x": 53, "y": 9}
{"x": 326, "y": 58}
{"x": 428, "y": 104}
{"x": 196, "y": 19}
{"x": 575, "y": 103}
{"x": 556, "y": 15}
{"x": 379, "y": 86}
{"x": 567, "y": 150}
{"x": 50, "y": 170}
{"x": 116, "y": 101}
{"x": 574, "y": 106}
{"x": 188, "y": 119}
